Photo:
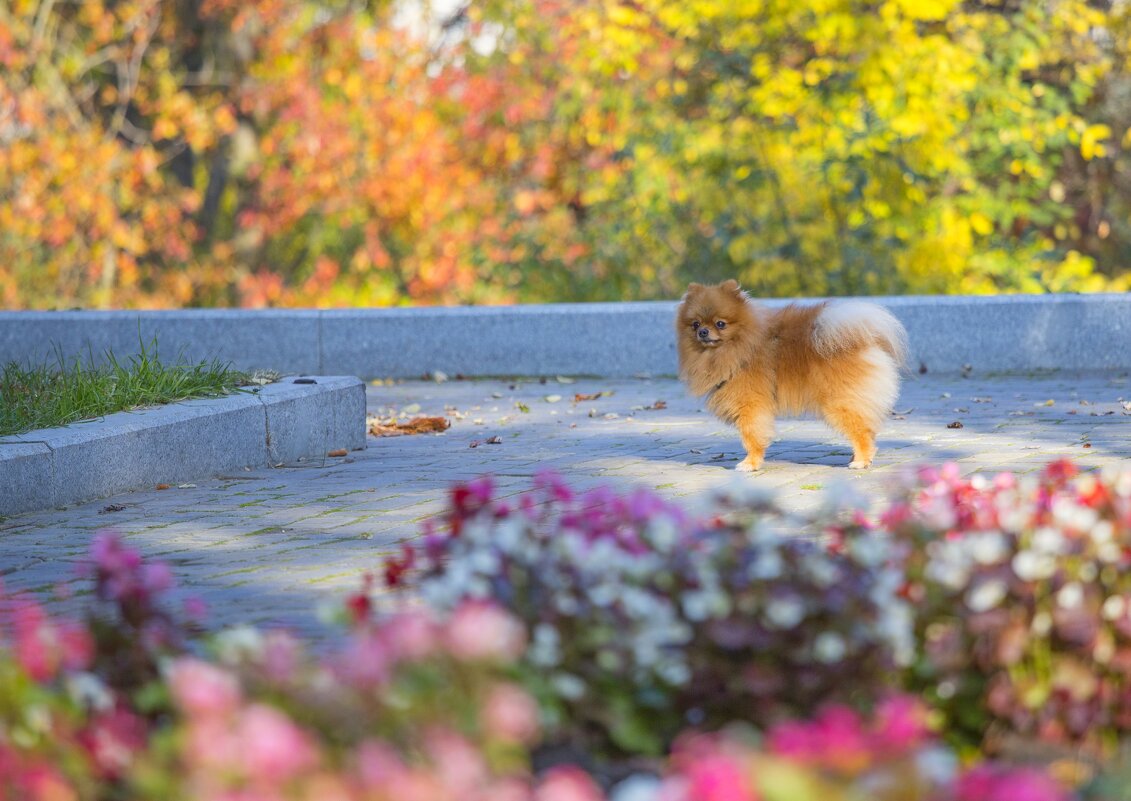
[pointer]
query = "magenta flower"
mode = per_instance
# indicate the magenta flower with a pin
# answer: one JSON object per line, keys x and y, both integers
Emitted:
{"x": 996, "y": 783}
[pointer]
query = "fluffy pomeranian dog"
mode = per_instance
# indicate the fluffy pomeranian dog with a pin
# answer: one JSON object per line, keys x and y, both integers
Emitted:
{"x": 840, "y": 359}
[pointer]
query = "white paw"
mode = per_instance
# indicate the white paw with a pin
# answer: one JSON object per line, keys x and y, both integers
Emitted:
{"x": 858, "y": 464}
{"x": 746, "y": 466}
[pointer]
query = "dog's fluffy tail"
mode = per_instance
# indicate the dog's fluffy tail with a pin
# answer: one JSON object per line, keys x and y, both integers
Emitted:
{"x": 849, "y": 324}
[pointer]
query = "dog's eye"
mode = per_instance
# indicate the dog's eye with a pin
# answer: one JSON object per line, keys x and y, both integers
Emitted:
{"x": 695, "y": 326}
{"x": 720, "y": 324}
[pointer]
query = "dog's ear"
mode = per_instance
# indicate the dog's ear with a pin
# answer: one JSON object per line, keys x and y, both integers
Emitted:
{"x": 693, "y": 289}
{"x": 730, "y": 285}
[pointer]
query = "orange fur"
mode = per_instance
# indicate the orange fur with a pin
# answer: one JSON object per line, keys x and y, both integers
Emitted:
{"x": 838, "y": 359}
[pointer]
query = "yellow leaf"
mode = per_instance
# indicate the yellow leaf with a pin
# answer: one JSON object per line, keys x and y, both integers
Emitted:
{"x": 981, "y": 223}
{"x": 1091, "y": 144}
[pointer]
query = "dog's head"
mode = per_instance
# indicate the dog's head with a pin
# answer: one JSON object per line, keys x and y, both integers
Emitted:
{"x": 711, "y": 316}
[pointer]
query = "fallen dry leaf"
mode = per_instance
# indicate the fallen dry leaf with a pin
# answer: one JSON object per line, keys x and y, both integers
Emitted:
{"x": 581, "y": 397}
{"x": 417, "y": 425}
{"x": 495, "y": 440}
{"x": 162, "y": 486}
{"x": 337, "y": 452}
{"x": 114, "y": 507}
{"x": 955, "y": 424}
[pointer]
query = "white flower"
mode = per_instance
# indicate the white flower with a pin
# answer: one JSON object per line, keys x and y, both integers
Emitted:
{"x": 822, "y": 572}
{"x": 545, "y": 646}
{"x": 897, "y": 626}
{"x": 938, "y": 765}
{"x": 238, "y": 644}
{"x": 785, "y": 613}
{"x": 766, "y": 565}
{"x": 1042, "y": 624}
{"x": 1114, "y": 607}
{"x": 1071, "y": 595}
{"x": 948, "y": 564}
{"x": 869, "y": 551}
{"x": 988, "y": 547}
{"x": 1110, "y": 552}
{"x": 568, "y": 686}
{"x": 1048, "y": 540}
{"x": 663, "y": 534}
{"x": 638, "y": 787}
{"x": 1072, "y": 515}
{"x": 603, "y": 595}
{"x": 1033, "y": 566}
{"x": 566, "y": 604}
{"x": 673, "y": 672}
{"x": 1102, "y": 532}
{"x": 985, "y": 595}
{"x": 89, "y": 691}
{"x": 829, "y": 647}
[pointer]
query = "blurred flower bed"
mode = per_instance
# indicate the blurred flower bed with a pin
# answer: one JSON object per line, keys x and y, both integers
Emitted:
{"x": 971, "y": 644}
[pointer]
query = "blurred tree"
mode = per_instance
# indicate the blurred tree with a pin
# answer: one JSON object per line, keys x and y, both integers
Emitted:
{"x": 834, "y": 146}
{"x": 290, "y": 152}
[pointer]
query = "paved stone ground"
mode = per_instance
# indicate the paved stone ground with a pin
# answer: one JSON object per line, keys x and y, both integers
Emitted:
{"x": 270, "y": 546}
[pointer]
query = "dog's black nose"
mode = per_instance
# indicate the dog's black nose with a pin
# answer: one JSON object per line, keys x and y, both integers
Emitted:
{"x": 704, "y": 333}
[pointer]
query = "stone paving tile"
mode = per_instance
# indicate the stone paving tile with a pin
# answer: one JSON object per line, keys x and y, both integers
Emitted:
{"x": 269, "y": 546}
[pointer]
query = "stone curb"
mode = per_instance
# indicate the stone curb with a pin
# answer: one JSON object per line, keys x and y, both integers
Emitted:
{"x": 994, "y": 334}
{"x": 275, "y": 424}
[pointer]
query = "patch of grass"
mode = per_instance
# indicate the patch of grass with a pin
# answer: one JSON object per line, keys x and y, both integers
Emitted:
{"x": 812, "y": 486}
{"x": 44, "y": 396}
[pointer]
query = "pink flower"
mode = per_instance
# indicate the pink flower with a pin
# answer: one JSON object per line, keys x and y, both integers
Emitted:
{"x": 280, "y": 656}
{"x": 510, "y": 714}
{"x": 569, "y": 783}
{"x": 410, "y": 636}
{"x": 460, "y": 767}
{"x": 195, "y": 609}
{"x": 156, "y": 577}
{"x": 203, "y": 690}
{"x": 365, "y": 662}
{"x": 900, "y": 724}
{"x": 993, "y": 783}
{"x": 273, "y": 748}
{"x": 44, "y": 646}
{"x": 482, "y": 631}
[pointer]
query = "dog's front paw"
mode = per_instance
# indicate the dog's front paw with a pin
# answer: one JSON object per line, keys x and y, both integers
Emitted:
{"x": 858, "y": 464}
{"x": 749, "y": 465}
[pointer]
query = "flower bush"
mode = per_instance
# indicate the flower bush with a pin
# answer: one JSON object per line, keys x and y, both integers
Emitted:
{"x": 642, "y": 620}
{"x": 748, "y": 655}
{"x": 1023, "y": 604}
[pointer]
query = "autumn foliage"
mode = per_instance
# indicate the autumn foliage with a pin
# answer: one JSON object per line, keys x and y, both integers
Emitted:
{"x": 281, "y": 152}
